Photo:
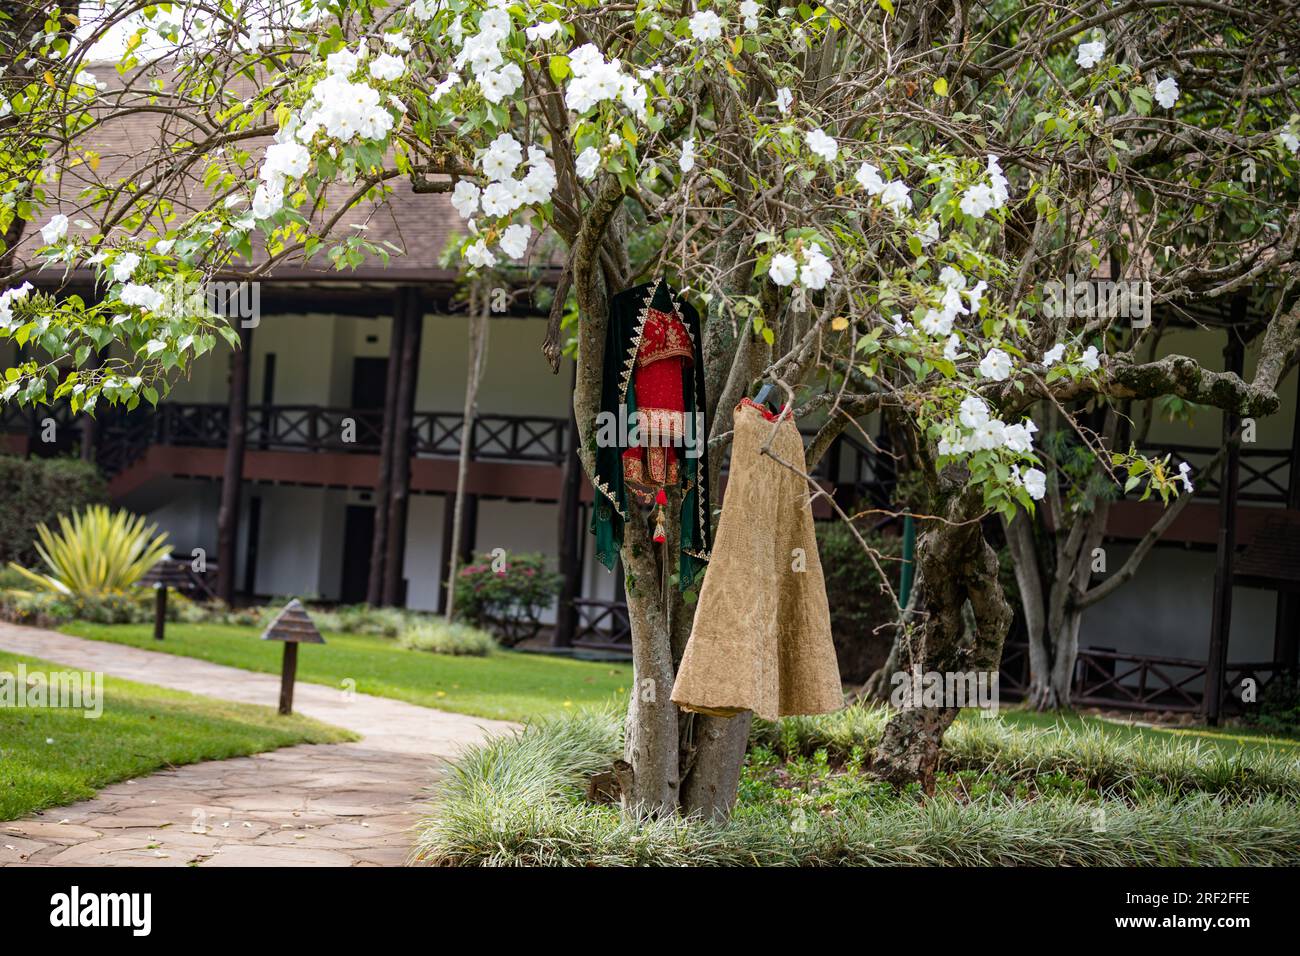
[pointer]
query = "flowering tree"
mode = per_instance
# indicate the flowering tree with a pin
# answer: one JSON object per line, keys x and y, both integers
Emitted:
{"x": 865, "y": 200}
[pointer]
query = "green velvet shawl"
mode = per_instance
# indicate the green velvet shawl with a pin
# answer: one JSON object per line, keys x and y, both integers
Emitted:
{"x": 613, "y": 505}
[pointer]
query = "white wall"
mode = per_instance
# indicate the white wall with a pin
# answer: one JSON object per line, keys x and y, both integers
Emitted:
{"x": 1166, "y": 609}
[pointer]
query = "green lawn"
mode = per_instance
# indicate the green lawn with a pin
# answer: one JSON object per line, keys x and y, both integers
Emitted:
{"x": 504, "y": 685}
{"x": 50, "y": 757}
{"x": 1228, "y": 739}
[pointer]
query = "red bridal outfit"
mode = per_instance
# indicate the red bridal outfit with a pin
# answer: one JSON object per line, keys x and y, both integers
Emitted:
{"x": 663, "y": 359}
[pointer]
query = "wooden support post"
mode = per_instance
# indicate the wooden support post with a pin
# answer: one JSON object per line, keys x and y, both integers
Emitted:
{"x": 288, "y": 673}
{"x": 159, "y": 611}
{"x": 1286, "y": 630}
{"x": 1229, "y": 483}
{"x": 444, "y": 558}
{"x": 232, "y": 476}
{"x": 89, "y": 425}
{"x": 394, "y": 561}
{"x": 383, "y": 490}
{"x": 570, "y": 561}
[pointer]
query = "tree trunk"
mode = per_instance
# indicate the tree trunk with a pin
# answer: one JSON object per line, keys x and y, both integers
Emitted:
{"x": 956, "y": 568}
{"x": 478, "y": 339}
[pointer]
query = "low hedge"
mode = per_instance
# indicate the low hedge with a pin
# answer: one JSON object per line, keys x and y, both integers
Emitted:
{"x": 36, "y": 491}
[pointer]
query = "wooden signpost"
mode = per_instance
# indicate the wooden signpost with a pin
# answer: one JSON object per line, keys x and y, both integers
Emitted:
{"x": 293, "y": 626}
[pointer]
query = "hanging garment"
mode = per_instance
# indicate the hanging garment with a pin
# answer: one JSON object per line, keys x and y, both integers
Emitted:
{"x": 761, "y": 640}
{"x": 653, "y": 365}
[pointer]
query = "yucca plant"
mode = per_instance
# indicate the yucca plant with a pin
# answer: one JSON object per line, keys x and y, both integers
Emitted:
{"x": 96, "y": 551}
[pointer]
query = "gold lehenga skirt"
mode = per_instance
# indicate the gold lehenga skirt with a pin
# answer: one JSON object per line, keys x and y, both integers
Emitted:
{"x": 761, "y": 639}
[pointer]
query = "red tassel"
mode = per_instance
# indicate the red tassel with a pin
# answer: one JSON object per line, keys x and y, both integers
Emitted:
{"x": 661, "y": 497}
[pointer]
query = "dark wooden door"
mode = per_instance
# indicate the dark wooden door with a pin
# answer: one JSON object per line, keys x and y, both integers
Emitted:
{"x": 358, "y": 534}
{"x": 369, "y": 382}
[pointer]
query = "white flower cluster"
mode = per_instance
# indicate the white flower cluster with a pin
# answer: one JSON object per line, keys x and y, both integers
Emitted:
{"x": 983, "y": 196}
{"x": 1089, "y": 358}
{"x": 977, "y": 430}
{"x": 813, "y": 274}
{"x": 144, "y": 296}
{"x": 284, "y": 160}
{"x": 482, "y": 54}
{"x": 894, "y": 195}
{"x": 939, "y": 321}
{"x": 504, "y": 194}
{"x": 595, "y": 79}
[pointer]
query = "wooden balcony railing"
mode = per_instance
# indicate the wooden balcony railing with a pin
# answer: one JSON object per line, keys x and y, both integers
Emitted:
{"x": 1264, "y": 471}
{"x": 315, "y": 428}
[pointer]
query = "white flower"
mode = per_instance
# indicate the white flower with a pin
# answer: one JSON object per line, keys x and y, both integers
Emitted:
{"x": 868, "y": 178}
{"x": 55, "y": 229}
{"x": 1035, "y": 483}
{"x": 977, "y": 200}
{"x": 502, "y": 157}
{"x": 991, "y": 434}
{"x": 268, "y": 200}
{"x": 5, "y": 108}
{"x": 950, "y": 278}
{"x": 929, "y": 234}
{"x": 783, "y": 99}
{"x": 687, "y": 159}
{"x": 145, "y": 296}
{"x": 935, "y": 322}
{"x": 1287, "y": 136}
{"x": 588, "y": 163}
{"x": 1167, "y": 92}
{"x": 465, "y": 198}
{"x": 425, "y": 9}
{"x": 478, "y": 255}
{"x": 896, "y": 197}
{"x": 706, "y": 25}
{"x": 443, "y": 88}
{"x": 398, "y": 42}
{"x": 973, "y": 412}
{"x": 124, "y": 266}
{"x": 344, "y": 110}
{"x": 816, "y": 269}
{"x": 1053, "y": 355}
{"x": 749, "y": 10}
{"x": 1017, "y": 438}
{"x": 342, "y": 62}
{"x": 1089, "y": 55}
{"x": 952, "y": 349}
{"x": 501, "y": 199}
{"x": 782, "y": 269}
{"x": 996, "y": 365}
{"x": 284, "y": 160}
{"x": 1089, "y": 359}
{"x": 387, "y": 67}
{"x": 822, "y": 145}
{"x": 976, "y": 295}
{"x": 544, "y": 30}
{"x": 514, "y": 241}
{"x": 504, "y": 82}
{"x": 1185, "y": 473}
{"x": 540, "y": 182}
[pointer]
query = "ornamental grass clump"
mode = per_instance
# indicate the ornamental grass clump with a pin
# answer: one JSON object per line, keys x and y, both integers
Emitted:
{"x": 95, "y": 552}
{"x": 439, "y": 637}
{"x": 520, "y": 799}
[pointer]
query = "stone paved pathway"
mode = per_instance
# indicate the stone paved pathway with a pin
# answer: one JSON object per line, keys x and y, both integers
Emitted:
{"x": 311, "y": 805}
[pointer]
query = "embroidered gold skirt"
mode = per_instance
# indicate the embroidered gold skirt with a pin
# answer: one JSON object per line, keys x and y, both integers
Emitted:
{"x": 761, "y": 639}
